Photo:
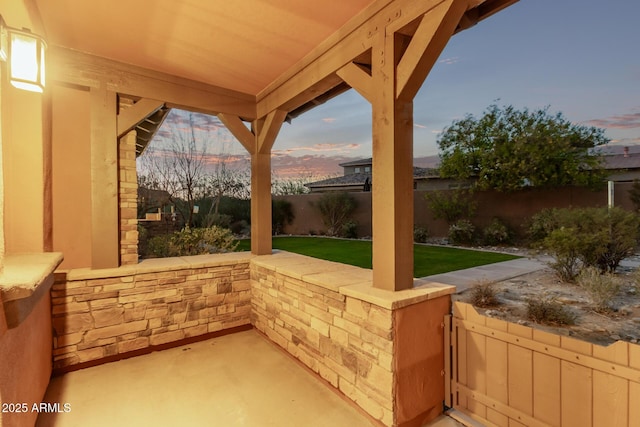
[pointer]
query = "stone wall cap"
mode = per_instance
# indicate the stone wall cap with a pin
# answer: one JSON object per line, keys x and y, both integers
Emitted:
{"x": 158, "y": 265}
{"x": 392, "y": 300}
{"x": 24, "y": 273}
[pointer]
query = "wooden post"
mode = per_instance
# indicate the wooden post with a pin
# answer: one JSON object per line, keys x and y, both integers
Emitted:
{"x": 400, "y": 63}
{"x": 258, "y": 143}
{"x": 392, "y": 195}
{"x": 104, "y": 180}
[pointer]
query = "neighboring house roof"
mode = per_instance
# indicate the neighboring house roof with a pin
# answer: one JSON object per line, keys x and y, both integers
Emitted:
{"x": 350, "y": 179}
{"x": 621, "y": 161}
{"x": 359, "y": 162}
{"x": 355, "y": 179}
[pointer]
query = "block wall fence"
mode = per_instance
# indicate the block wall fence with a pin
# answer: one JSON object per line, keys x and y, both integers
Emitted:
{"x": 512, "y": 208}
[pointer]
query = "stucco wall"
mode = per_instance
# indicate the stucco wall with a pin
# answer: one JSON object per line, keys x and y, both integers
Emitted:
{"x": 25, "y": 362}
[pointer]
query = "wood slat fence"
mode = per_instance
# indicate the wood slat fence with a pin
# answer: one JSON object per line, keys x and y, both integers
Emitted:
{"x": 506, "y": 374}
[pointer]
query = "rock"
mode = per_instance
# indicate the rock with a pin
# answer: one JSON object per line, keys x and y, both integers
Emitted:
{"x": 634, "y": 341}
{"x": 636, "y": 320}
{"x": 632, "y": 290}
{"x": 616, "y": 337}
{"x": 625, "y": 310}
{"x": 523, "y": 322}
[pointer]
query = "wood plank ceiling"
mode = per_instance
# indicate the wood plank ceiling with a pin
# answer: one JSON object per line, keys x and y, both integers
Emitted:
{"x": 239, "y": 45}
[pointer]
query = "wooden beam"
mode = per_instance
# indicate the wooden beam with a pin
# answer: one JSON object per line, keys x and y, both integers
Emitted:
{"x": 240, "y": 131}
{"x": 67, "y": 66}
{"x": 359, "y": 79}
{"x": 317, "y": 70}
{"x": 268, "y": 130}
{"x": 432, "y": 35}
{"x": 131, "y": 116}
{"x": 105, "y": 230}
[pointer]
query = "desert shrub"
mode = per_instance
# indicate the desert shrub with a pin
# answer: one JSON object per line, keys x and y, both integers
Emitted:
{"x": 623, "y": 228}
{"x": 461, "y": 232}
{"x": 549, "y": 312}
{"x": 542, "y": 224}
{"x": 496, "y": 233}
{"x": 281, "y": 214}
{"x": 483, "y": 294}
{"x": 599, "y": 237}
{"x": 336, "y": 209}
{"x": 601, "y": 287}
{"x": 240, "y": 227}
{"x": 634, "y": 194}
{"x": 451, "y": 206}
{"x": 420, "y": 234}
{"x": 564, "y": 244}
{"x": 192, "y": 241}
{"x": 349, "y": 230}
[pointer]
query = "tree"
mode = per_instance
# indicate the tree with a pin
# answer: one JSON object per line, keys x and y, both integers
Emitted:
{"x": 508, "y": 149}
{"x": 184, "y": 166}
{"x": 177, "y": 168}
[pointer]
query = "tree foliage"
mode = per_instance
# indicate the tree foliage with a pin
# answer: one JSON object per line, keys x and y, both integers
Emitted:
{"x": 507, "y": 149}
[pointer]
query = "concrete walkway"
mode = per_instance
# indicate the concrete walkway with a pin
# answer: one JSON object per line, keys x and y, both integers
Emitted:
{"x": 464, "y": 279}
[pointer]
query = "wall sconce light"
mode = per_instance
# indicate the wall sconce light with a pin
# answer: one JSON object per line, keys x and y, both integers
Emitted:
{"x": 24, "y": 53}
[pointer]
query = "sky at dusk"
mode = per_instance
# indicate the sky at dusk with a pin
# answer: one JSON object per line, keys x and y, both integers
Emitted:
{"x": 579, "y": 57}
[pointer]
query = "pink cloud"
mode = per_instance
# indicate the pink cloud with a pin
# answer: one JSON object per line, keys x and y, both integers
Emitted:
{"x": 319, "y": 148}
{"x": 449, "y": 61}
{"x": 329, "y": 119}
{"x": 623, "y": 121}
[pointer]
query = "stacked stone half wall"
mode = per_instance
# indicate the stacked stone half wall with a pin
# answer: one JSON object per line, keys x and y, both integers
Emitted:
{"x": 102, "y": 313}
{"x": 359, "y": 339}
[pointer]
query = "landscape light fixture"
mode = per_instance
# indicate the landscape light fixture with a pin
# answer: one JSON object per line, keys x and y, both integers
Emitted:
{"x": 24, "y": 53}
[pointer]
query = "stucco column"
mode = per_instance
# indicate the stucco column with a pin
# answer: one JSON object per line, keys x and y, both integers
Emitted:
{"x": 392, "y": 190}
{"x": 1, "y": 189}
{"x": 23, "y": 169}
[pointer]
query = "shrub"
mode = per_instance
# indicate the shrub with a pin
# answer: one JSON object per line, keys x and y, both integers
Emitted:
{"x": 192, "y": 241}
{"x": 634, "y": 194}
{"x": 549, "y": 312}
{"x": 598, "y": 237}
{"x": 601, "y": 287}
{"x": 281, "y": 214}
{"x": 564, "y": 244}
{"x": 349, "y": 230}
{"x": 462, "y": 232}
{"x": 496, "y": 233}
{"x": 542, "y": 224}
{"x": 240, "y": 227}
{"x": 483, "y": 294}
{"x": 420, "y": 234}
{"x": 336, "y": 209}
{"x": 451, "y": 206}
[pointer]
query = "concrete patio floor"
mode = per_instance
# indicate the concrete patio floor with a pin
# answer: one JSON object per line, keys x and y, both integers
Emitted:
{"x": 233, "y": 380}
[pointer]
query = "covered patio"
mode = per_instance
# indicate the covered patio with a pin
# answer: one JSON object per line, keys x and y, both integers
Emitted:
{"x": 73, "y": 293}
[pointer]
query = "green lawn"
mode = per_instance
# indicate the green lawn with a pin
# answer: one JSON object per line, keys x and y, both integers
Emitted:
{"x": 428, "y": 260}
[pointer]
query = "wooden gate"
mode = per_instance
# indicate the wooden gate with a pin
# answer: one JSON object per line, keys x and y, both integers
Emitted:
{"x": 506, "y": 374}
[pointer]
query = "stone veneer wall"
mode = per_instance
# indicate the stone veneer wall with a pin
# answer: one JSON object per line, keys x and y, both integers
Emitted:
{"x": 102, "y": 313}
{"x": 128, "y": 192}
{"x": 355, "y": 337}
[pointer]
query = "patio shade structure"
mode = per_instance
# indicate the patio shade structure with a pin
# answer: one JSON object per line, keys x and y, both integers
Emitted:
{"x": 253, "y": 64}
